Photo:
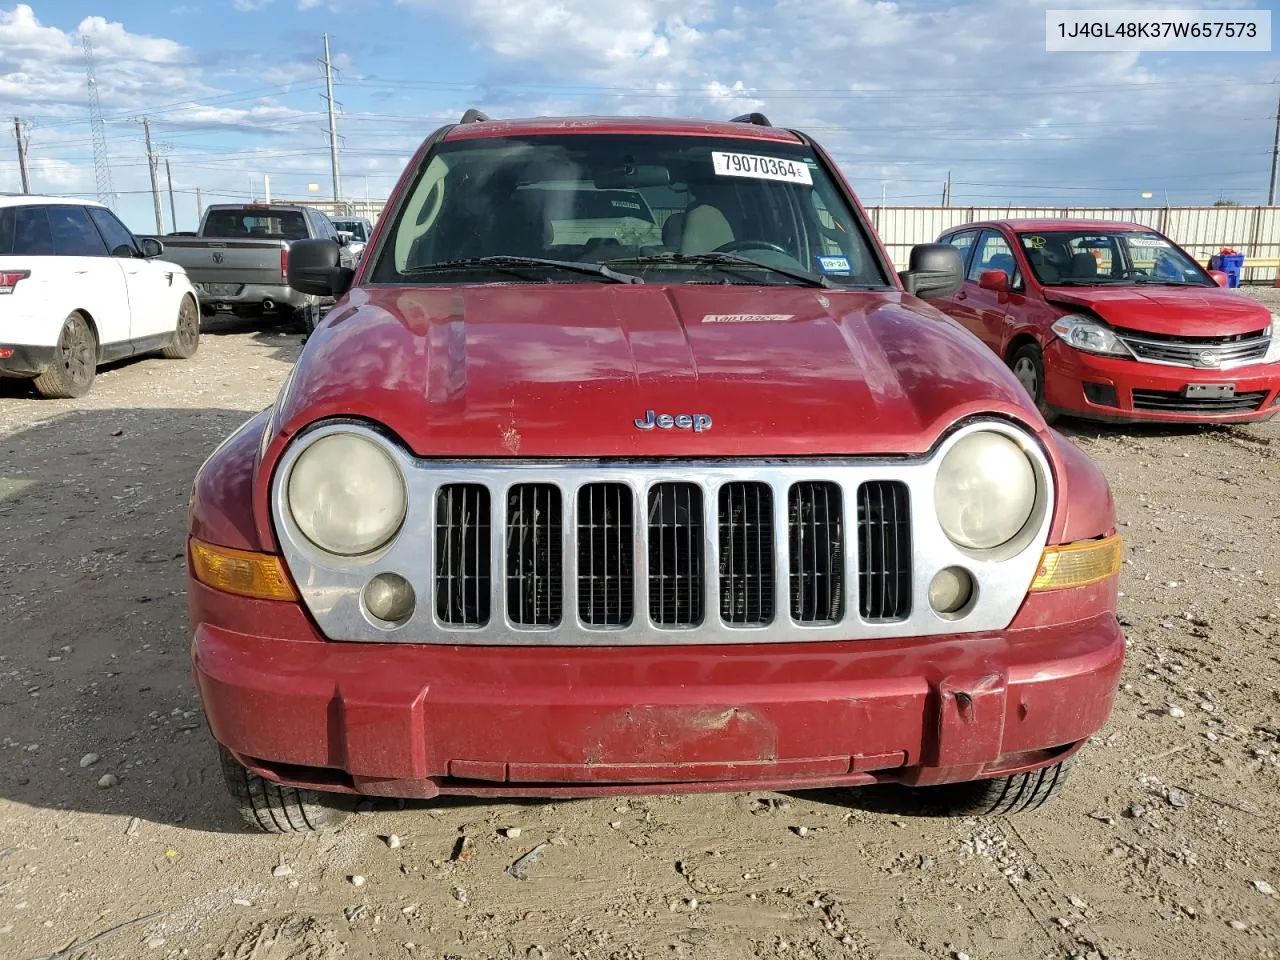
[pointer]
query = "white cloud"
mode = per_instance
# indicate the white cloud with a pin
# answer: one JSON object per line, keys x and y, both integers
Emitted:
{"x": 249, "y": 6}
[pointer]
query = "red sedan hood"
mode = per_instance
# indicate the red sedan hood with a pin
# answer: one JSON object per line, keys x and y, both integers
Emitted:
{"x": 1173, "y": 311}
{"x": 568, "y": 370}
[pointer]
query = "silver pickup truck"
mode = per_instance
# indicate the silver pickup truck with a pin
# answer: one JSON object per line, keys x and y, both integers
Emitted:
{"x": 238, "y": 258}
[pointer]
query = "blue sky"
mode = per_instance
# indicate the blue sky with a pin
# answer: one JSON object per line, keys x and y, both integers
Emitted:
{"x": 899, "y": 92}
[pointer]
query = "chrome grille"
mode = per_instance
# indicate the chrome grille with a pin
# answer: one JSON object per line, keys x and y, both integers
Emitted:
{"x": 675, "y": 554}
{"x": 462, "y": 554}
{"x": 884, "y": 550}
{"x": 606, "y": 567}
{"x": 535, "y": 581}
{"x": 746, "y": 553}
{"x": 1205, "y": 353}
{"x": 816, "y": 521}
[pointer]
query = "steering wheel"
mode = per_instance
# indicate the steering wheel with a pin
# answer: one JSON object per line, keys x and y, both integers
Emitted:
{"x": 733, "y": 246}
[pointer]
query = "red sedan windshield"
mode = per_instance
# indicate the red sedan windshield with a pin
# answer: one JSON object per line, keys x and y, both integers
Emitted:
{"x": 1103, "y": 257}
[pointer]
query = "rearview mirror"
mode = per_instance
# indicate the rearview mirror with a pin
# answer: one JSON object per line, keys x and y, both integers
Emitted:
{"x": 314, "y": 267}
{"x": 1220, "y": 278}
{"x": 994, "y": 280}
{"x": 631, "y": 175}
{"x": 151, "y": 248}
{"x": 936, "y": 270}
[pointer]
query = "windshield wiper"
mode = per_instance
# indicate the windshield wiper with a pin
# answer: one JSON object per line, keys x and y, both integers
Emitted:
{"x": 728, "y": 260}
{"x": 514, "y": 264}
{"x": 1088, "y": 282}
{"x": 1168, "y": 283}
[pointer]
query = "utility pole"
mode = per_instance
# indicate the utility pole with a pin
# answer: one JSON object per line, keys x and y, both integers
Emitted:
{"x": 151, "y": 165}
{"x": 199, "y": 204}
{"x": 19, "y": 131}
{"x": 173, "y": 210}
{"x": 333, "y": 125}
{"x": 946, "y": 192}
{"x": 1275, "y": 158}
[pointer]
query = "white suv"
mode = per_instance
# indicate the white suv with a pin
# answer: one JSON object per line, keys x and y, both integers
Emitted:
{"x": 77, "y": 289}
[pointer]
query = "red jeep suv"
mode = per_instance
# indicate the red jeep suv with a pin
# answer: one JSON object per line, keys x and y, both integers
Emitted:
{"x": 625, "y": 463}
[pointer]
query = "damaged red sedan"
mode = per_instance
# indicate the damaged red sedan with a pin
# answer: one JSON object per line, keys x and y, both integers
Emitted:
{"x": 1114, "y": 321}
{"x": 625, "y": 463}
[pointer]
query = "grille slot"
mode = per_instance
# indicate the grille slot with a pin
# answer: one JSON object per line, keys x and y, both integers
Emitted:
{"x": 606, "y": 565}
{"x": 884, "y": 550}
{"x": 462, "y": 554}
{"x": 535, "y": 576}
{"x": 816, "y": 530}
{"x": 675, "y": 555}
{"x": 1161, "y": 400}
{"x": 746, "y": 553}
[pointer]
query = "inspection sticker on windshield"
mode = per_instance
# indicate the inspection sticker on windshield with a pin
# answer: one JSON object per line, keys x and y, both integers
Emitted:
{"x": 834, "y": 264}
{"x": 746, "y": 317}
{"x": 760, "y": 168}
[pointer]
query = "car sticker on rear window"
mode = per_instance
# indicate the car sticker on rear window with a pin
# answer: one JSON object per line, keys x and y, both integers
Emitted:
{"x": 625, "y": 204}
{"x": 833, "y": 264}
{"x": 746, "y": 317}
{"x": 1148, "y": 242}
{"x": 1033, "y": 243}
{"x": 760, "y": 168}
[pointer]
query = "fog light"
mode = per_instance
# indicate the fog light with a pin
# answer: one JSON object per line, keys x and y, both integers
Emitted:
{"x": 951, "y": 590}
{"x": 389, "y": 597}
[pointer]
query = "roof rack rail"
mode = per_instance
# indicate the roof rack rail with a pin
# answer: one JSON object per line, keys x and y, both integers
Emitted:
{"x": 473, "y": 116}
{"x": 758, "y": 119}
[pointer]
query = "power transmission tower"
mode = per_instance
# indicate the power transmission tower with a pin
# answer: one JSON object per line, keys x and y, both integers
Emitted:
{"x": 24, "y": 141}
{"x": 333, "y": 125}
{"x": 151, "y": 165}
{"x": 173, "y": 210}
{"x": 101, "y": 163}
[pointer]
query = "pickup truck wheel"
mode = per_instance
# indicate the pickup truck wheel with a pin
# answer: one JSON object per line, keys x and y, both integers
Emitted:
{"x": 1027, "y": 364}
{"x": 186, "y": 338}
{"x": 306, "y": 317}
{"x": 1002, "y": 796}
{"x": 274, "y": 808}
{"x": 75, "y": 362}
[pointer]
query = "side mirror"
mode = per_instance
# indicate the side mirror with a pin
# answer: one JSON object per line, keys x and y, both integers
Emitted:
{"x": 151, "y": 248}
{"x": 1219, "y": 278}
{"x": 314, "y": 267}
{"x": 995, "y": 280}
{"x": 936, "y": 270}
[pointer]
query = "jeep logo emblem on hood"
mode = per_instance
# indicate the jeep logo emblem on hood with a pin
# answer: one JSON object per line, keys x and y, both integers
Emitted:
{"x": 697, "y": 422}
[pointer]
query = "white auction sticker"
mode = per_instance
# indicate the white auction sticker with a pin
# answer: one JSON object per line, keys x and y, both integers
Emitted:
{"x": 1147, "y": 242}
{"x": 747, "y": 317}
{"x": 760, "y": 168}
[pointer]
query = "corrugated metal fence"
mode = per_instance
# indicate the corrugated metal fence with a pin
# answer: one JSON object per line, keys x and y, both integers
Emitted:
{"x": 1203, "y": 231}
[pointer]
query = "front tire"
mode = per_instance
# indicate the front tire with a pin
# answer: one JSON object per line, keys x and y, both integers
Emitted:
{"x": 274, "y": 808}
{"x": 1003, "y": 796}
{"x": 186, "y": 338}
{"x": 75, "y": 363}
{"x": 1027, "y": 364}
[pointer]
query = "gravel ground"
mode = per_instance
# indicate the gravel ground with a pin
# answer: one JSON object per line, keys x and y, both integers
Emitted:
{"x": 1164, "y": 846}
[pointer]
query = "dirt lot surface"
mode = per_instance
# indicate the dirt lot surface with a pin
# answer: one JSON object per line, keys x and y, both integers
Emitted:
{"x": 1164, "y": 846}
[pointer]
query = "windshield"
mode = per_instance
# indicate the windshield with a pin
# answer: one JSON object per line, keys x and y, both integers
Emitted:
{"x": 655, "y": 205}
{"x": 255, "y": 225}
{"x": 353, "y": 227}
{"x": 1100, "y": 257}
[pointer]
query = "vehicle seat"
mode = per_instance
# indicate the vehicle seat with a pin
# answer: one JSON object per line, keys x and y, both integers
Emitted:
{"x": 705, "y": 228}
{"x": 1003, "y": 262}
{"x": 672, "y": 231}
{"x": 1084, "y": 266}
{"x": 1046, "y": 271}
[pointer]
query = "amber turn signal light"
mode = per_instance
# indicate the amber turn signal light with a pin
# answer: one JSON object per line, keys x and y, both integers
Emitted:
{"x": 1079, "y": 564}
{"x": 258, "y": 575}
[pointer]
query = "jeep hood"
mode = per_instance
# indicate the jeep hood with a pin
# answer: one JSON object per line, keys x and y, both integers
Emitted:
{"x": 566, "y": 370}
{"x": 1172, "y": 311}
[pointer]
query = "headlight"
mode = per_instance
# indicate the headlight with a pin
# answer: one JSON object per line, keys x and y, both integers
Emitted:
{"x": 346, "y": 495}
{"x": 985, "y": 491}
{"x": 1273, "y": 331}
{"x": 1089, "y": 336}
